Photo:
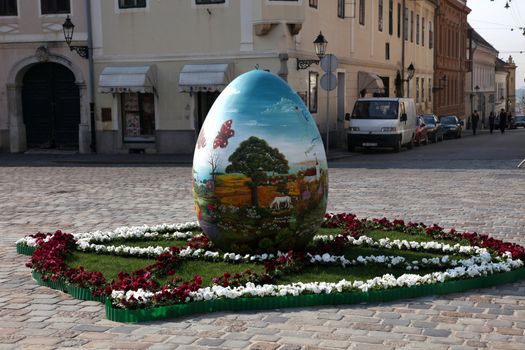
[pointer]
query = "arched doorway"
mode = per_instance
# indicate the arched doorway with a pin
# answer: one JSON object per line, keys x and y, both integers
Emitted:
{"x": 51, "y": 107}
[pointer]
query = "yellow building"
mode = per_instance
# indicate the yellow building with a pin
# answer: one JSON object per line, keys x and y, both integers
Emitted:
{"x": 157, "y": 66}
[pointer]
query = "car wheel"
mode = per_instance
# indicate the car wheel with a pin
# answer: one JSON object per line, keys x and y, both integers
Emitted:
{"x": 397, "y": 147}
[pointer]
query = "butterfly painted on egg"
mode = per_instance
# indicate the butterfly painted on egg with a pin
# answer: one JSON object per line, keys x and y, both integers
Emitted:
{"x": 201, "y": 141}
{"x": 221, "y": 140}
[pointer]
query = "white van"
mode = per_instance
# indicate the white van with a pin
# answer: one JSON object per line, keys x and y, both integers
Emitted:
{"x": 382, "y": 122}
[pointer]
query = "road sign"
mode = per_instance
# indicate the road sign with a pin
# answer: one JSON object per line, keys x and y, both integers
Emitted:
{"x": 329, "y": 63}
{"x": 328, "y": 81}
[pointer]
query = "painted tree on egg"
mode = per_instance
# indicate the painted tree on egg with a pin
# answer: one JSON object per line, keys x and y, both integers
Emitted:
{"x": 255, "y": 159}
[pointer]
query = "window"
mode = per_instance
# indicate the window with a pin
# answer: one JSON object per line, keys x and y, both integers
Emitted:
{"x": 417, "y": 29}
{"x": 138, "y": 117}
{"x": 387, "y": 51}
{"x": 8, "y": 8}
{"x": 130, "y": 4}
{"x": 50, "y": 7}
{"x": 362, "y": 12}
{"x": 380, "y": 15}
{"x": 405, "y": 24}
{"x": 423, "y": 31}
{"x": 377, "y": 109}
{"x": 422, "y": 89}
{"x": 417, "y": 90}
{"x": 341, "y": 8}
{"x": 312, "y": 92}
{"x": 205, "y": 2}
{"x": 313, "y": 3}
{"x": 429, "y": 90}
{"x": 431, "y": 36}
{"x": 411, "y": 26}
{"x": 399, "y": 20}
{"x": 390, "y": 16}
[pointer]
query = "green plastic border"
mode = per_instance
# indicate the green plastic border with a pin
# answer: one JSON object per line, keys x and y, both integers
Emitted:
{"x": 374, "y": 296}
{"x": 74, "y": 291}
{"x": 25, "y": 249}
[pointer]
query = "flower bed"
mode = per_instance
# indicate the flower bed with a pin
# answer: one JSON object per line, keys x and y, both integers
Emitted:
{"x": 463, "y": 261}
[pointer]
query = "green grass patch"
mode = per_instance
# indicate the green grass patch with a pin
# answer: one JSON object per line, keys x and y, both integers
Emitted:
{"x": 111, "y": 265}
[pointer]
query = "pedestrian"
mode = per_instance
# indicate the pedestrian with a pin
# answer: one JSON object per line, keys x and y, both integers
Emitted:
{"x": 502, "y": 120}
{"x": 492, "y": 118}
{"x": 475, "y": 119}
{"x": 509, "y": 120}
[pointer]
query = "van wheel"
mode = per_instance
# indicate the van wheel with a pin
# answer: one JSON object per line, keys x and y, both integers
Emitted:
{"x": 397, "y": 147}
{"x": 410, "y": 145}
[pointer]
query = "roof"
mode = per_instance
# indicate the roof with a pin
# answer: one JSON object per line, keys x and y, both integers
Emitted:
{"x": 478, "y": 39}
{"x": 501, "y": 65}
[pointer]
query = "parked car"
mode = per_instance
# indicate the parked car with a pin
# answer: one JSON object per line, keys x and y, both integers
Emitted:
{"x": 435, "y": 131}
{"x": 520, "y": 121}
{"x": 452, "y": 126}
{"x": 421, "y": 135}
{"x": 511, "y": 122}
{"x": 382, "y": 122}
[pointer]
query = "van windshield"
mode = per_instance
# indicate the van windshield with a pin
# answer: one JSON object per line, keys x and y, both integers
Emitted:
{"x": 375, "y": 110}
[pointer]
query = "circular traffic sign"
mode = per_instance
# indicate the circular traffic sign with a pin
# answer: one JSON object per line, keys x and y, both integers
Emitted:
{"x": 328, "y": 81}
{"x": 329, "y": 63}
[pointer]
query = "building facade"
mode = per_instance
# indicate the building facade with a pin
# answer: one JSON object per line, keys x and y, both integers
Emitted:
{"x": 156, "y": 67}
{"x": 511, "y": 101}
{"x": 451, "y": 58}
{"x": 44, "y": 95}
{"x": 481, "y": 89}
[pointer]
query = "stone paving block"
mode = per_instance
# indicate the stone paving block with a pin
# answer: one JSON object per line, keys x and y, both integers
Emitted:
{"x": 264, "y": 346}
{"x": 357, "y": 345}
{"x": 299, "y": 341}
{"x": 235, "y": 344}
{"x": 266, "y": 338}
{"x": 182, "y": 339}
{"x": 210, "y": 342}
{"x": 133, "y": 345}
{"x": 338, "y": 344}
{"x": 290, "y": 347}
{"x": 90, "y": 328}
{"x": 431, "y": 332}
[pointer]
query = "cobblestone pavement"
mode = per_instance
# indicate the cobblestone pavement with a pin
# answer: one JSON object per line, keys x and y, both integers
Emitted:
{"x": 87, "y": 198}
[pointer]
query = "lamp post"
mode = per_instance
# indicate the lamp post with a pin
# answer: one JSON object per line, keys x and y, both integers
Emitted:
{"x": 328, "y": 63}
{"x": 320, "y": 48}
{"x": 83, "y": 51}
{"x": 69, "y": 28}
{"x": 411, "y": 70}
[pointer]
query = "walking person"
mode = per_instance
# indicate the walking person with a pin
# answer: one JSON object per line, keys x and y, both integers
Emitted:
{"x": 492, "y": 118}
{"x": 502, "y": 120}
{"x": 475, "y": 119}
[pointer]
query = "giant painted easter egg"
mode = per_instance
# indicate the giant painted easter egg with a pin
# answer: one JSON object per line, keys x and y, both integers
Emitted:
{"x": 260, "y": 176}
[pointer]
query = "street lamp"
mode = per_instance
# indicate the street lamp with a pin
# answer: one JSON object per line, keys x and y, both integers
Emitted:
{"x": 69, "y": 29}
{"x": 411, "y": 70}
{"x": 320, "y": 49}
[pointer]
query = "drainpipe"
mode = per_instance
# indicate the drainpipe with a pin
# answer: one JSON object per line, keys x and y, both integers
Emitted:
{"x": 403, "y": 14}
{"x": 473, "y": 47}
{"x": 91, "y": 82}
{"x": 437, "y": 13}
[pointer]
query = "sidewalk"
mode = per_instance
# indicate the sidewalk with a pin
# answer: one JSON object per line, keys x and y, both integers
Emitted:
{"x": 62, "y": 158}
